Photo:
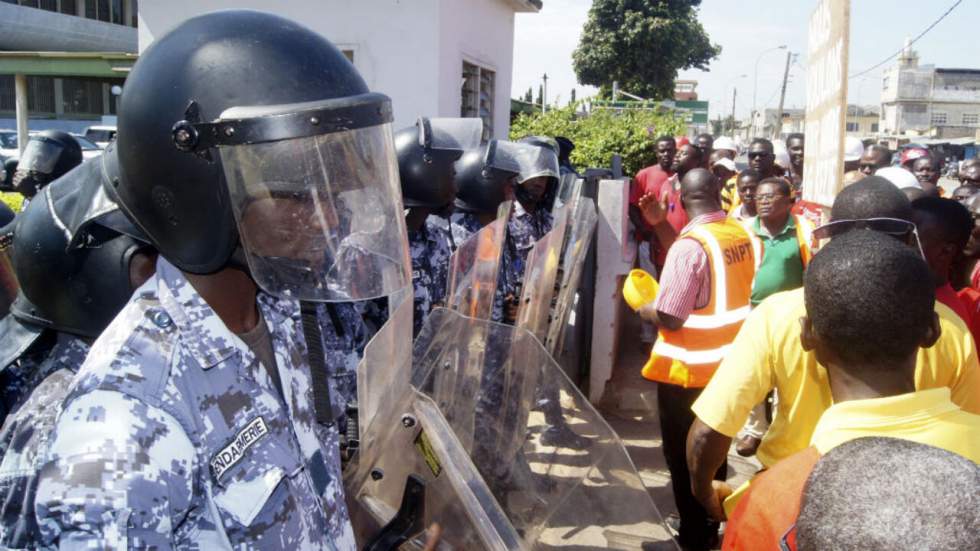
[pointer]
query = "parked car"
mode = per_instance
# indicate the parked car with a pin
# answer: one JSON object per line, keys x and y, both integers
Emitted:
{"x": 8, "y": 144}
{"x": 89, "y": 148}
{"x": 101, "y": 135}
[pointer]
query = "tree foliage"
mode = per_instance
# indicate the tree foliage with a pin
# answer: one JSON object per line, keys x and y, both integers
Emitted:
{"x": 602, "y": 133}
{"x": 642, "y": 44}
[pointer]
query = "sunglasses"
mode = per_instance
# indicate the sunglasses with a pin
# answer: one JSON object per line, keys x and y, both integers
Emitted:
{"x": 890, "y": 226}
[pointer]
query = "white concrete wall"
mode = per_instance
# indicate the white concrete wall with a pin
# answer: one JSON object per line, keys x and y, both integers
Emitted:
{"x": 395, "y": 43}
{"x": 410, "y": 50}
{"x": 480, "y": 32}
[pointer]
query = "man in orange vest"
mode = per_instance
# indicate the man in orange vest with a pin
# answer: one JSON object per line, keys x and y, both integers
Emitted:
{"x": 704, "y": 296}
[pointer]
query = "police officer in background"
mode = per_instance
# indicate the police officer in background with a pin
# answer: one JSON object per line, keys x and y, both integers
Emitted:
{"x": 255, "y": 159}
{"x": 530, "y": 220}
{"x": 427, "y": 152}
{"x": 70, "y": 291}
{"x": 485, "y": 178}
{"x": 48, "y": 156}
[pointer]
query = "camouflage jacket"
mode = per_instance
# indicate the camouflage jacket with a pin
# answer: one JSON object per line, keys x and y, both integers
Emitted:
{"x": 524, "y": 229}
{"x": 429, "y": 249}
{"x": 462, "y": 226}
{"x": 24, "y": 438}
{"x": 20, "y": 377}
{"x": 174, "y": 436}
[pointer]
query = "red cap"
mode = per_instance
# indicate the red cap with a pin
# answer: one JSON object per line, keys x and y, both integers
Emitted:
{"x": 910, "y": 154}
{"x": 682, "y": 141}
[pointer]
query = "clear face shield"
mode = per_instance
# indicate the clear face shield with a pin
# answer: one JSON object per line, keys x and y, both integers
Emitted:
{"x": 535, "y": 161}
{"x": 315, "y": 192}
{"x": 39, "y": 156}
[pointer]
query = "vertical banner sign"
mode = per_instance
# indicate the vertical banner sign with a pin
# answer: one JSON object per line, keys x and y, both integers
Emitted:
{"x": 826, "y": 100}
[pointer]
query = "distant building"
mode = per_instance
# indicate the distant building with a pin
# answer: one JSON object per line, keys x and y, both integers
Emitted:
{"x": 923, "y": 100}
{"x": 861, "y": 122}
{"x": 685, "y": 90}
{"x": 439, "y": 58}
{"x": 71, "y": 54}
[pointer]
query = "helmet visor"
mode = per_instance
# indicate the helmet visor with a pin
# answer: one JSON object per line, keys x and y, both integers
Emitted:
{"x": 40, "y": 156}
{"x": 449, "y": 134}
{"x": 535, "y": 161}
{"x": 320, "y": 217}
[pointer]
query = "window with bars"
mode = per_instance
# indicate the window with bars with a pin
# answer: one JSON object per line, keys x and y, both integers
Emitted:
{"x": 971, "y": 119}
{"x": 478, "y": 95}
{"x": 938, "y": 117}
{"x": 63, "y": 6}
{"x": 82, "y": 97}
{"x": 852, "y": 126}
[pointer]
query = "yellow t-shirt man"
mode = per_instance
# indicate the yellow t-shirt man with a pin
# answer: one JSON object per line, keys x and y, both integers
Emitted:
{"x": 767, "y": 354}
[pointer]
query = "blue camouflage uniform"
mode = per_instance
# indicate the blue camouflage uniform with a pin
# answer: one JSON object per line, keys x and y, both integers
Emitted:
{"x": 430, "y": 252}
{"x": 524, "y": 229}
{"x": 173, "y": 435}
{"x": 17, "y": 379}
{"x": 24, "y": 437}
{"x": 462, "y": 226}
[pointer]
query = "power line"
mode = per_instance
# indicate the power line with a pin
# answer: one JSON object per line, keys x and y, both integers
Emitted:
{"x": 916, "y": 39}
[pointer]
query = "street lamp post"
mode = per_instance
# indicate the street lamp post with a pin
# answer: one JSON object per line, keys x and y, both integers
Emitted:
{"x": 755, "y": 84}
{"x": 734, "y": 93}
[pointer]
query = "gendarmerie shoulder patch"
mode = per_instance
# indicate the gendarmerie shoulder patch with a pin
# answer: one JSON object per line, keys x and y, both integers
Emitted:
{"x": 254, "y": 431}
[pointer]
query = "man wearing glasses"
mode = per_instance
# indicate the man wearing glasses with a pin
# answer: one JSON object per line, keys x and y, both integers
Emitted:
{"x": 783, "y": 242}
{"x": 870, "y": 309}
{"x": 762, "y": 158}
{"x": 767, "y": 355}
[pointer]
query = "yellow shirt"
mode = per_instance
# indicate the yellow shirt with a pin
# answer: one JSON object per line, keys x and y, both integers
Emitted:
{"x": 767, "y": 354}
{"x": 927, "y": 417}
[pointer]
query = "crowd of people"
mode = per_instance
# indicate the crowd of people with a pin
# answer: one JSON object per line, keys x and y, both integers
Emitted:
{"x": 187, "y": 312}
{"x": 795, "y": 331}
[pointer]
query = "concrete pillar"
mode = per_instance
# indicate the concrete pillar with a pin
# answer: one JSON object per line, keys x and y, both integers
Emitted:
{"x": 20, "y": 101}
{"x": 615, "y": 251}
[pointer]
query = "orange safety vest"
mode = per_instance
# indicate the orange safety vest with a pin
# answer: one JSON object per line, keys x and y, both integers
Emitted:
{"x": 690, "y": 355}
{"x": 804, "y": 236}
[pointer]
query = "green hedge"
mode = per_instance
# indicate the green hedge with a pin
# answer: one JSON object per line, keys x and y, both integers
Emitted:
{"x": 602, "y": 133}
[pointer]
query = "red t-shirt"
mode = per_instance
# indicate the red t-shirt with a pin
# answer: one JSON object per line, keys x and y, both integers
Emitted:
{"x": 971, "y": 301}
{"x": 676, "y": 215}
{"x": 646, "y": 181}
{"x": 770, "y": 506}
{"x": 948, "y": 296}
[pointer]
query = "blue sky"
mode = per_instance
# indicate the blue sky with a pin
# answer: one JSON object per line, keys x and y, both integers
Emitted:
{"x": 744, "y": 29}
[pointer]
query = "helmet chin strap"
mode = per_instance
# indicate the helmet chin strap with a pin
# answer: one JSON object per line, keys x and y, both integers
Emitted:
{"x": 322, "y": 406}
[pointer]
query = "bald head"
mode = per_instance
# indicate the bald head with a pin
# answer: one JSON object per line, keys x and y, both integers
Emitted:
{"x": 699, "y": 192}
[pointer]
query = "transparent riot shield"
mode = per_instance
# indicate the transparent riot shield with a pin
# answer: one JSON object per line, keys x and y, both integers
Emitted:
{"x": 569, "y": 189}
{"x": 541, "y": 269}
{"x": 486, "y": 475}
{"x": 473, "y": 268}
{"x": 387, "y": 362}
{"x": 581, "y": 228}
{"x": 8, "y": 278}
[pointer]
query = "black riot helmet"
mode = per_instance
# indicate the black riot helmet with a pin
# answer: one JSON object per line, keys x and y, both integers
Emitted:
{"x": 239, "y": 128}
{"x": 483, "y": 175}
{"x": 74, "y": 271}
{"x": 47, "y": 156}
{"x": 427, "y": 152}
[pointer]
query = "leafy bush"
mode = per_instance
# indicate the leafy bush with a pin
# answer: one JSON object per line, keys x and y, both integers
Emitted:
{"x": 602, "y": 133}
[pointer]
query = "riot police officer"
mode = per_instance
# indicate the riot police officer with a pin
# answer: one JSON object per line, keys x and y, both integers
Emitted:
{"x": 530, "y": 220}
{"x": 485, "y": 178}
{"x": 48, "y": 156}
{"x": 76, "y": 272}
{"x": 427, "y": 152}
{"x": 255, "y": 159}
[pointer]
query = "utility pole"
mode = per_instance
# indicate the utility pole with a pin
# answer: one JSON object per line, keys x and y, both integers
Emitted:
{"x": 778, "y": 127}
{"x": 544, "y": 94}
{"x": 734, "y": 91}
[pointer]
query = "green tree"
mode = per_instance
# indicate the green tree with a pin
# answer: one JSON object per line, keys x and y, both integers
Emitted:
{"x": 642, "y": 44}
{"x": 529, "y": 95}
{"x": 602, "y": 133}
{"x": 540, "y": 95}
{"x": 573, "y": 97}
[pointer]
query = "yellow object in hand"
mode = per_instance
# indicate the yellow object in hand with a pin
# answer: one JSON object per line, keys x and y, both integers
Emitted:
{"x": 640, "y": 289}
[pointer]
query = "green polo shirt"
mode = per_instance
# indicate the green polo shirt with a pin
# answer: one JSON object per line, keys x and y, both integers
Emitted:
{"x": 782, "y": 267}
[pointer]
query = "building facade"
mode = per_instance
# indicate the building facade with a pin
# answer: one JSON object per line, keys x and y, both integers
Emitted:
{"x": 71, "y": 54}
{"x": 438, "y": 58}
{"x": 924, "y": 100}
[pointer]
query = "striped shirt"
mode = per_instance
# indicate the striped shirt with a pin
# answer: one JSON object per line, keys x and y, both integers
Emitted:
{"x": 685, "y": 283}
